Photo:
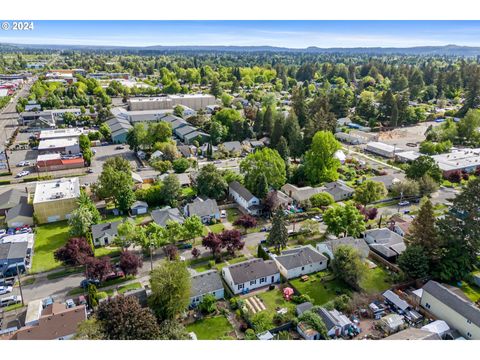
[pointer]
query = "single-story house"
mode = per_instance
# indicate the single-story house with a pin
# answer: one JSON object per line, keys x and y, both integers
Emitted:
{"x": 139, "y": 207}
{"x": 57, "y": 322}
{"x": 206, "y": 210}
{"x": 339, "y": 190}
{"x": 183, "y": 178}
{"x": 185, "y": 150}
{"x": 104, "y": 234}
{"x": 300, "y": 194}
{"x": 385, "y": 242}
{"x": 337, "y": 323}
{"x": 200, "y": 136}
{"x": 12, "y": 253}
{"x": 330, "y": 246}
{"x": 20, "y": 215}
{"x": 458, "y": 312}
{"x": 162, "y": 216}
{"x": 307, "y": 332}
{"x": 233, "y": 147}
{"x": 244, "y": 198}
{"x": 388, "y": 180}
{"x": 300, "y": 261}
{"x": 340, "y": 156}
{"x": 399, "y": 225}
{"x": 250, "y": 275}
{"x": 207, "y": 282}
{"x": 11, "y": 198}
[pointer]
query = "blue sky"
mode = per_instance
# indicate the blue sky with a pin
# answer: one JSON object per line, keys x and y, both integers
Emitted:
{"x": 293, "y": 34}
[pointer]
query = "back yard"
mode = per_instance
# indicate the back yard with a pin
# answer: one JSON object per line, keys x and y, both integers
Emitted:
{"x": 376, "y": 280}
{"x": 320, "y": 287}
{"x": 212, "y": 328}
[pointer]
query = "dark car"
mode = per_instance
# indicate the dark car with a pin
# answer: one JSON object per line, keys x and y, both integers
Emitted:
{"x": 185, "y": 246}
{"x": 115, "y": 275}
{"x": 87, "y": 282}
{"x": 119, "y": 147}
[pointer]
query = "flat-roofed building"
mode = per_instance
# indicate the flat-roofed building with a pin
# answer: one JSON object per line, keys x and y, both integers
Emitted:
{"x": 60, "y": 133}
{"x": 193, "y": 101}
{"x": 64, "y": 145}
{"x": 467, "y": 160}
{"x": 382, "y": 149}
{"x": 54, "y": 200}
{"x": 52, "y": 162}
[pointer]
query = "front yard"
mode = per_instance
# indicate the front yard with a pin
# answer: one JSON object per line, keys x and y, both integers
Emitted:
{"x": 211, "y": 328}
{"x": 48, "y": 238}
{"x": 320, "y": 287}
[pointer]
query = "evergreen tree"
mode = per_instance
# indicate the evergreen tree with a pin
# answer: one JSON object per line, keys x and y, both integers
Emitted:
{"x": 282, "y": 148}
{"x": 258, "y": 124}
{"x": 422, "y": 232}
{"x": 278, "y": 236}
{"x": 268, "y": 120}
{"x": 262, "y": 186}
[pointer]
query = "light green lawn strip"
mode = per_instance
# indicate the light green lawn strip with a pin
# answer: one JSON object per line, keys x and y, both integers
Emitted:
{"x": 212, "y": 328}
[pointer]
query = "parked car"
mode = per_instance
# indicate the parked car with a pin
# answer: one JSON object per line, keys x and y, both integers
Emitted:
{"x": 70, "y": 303}
{"x": 404, "y": 203}
{"x": 22, "y": 173}
{"x": 185, "y": 245}
{"x": 21, "y": 164}
{"x": 82, "y": 300}
{"x": 10, "y": 300}
{"x": 119, "y": 147}
{"x": 115, "y": 275}
{"x": 7, "y": 281}
{"x": 3, "y": 232}
{"x": 223, "y": 214}
{"x": 87, "y": 282}
{"x": 90, "y": 171}
{"x": 5, "y": 290}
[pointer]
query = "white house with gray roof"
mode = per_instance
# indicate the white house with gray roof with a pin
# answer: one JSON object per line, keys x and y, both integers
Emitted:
{"x": 458, "y": 312}
{"x": 207, "y": 282}
{"x": 250, "y": 275}
{"x": 300, "y": 261}
{"x": 104, "y": 234}
{"x": 244, "y": 198}
{"x": 162, "y": 216}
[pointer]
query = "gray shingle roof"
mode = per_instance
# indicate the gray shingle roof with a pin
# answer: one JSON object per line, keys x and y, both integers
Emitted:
{"x": 252, "y": 269}
{"x": 21, "y": 209}
{"x": 241, "y": 190}
{"x": 396, "y": 300}
{"x": 16, "y": 250}
{"x": 163, "y": 215}
{"x": 203, "y": 208}
{"x": 301, "y": 308}
{"x": 205, "y": 283}
{"x": 100, "y": 230}
{"x": 358, "y": 244}
{"x": 305, "y": 255}
{"x": 10, "y": 198}
{"x": 233, "y": 146}
{"x": 453, "y": 301}
{"x": 184, "y": 130}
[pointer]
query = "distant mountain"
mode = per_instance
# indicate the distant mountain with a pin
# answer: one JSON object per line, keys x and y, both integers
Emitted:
{"x": 449, "y": 50}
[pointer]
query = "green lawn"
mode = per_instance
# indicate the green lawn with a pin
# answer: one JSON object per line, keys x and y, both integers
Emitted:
{"x": 232, "y": 215}
{"x": 67, "y": 272}
{"x": 216, "y": 228}
{"x": 212, "y": 328}
{"x": 201, "y": 267}
{"x": 12, "y": 307}
{"x": 472, "y": 291}
{"x": 110, "y": 251}
{"x": 376, "y": 280}
{"x": 128, "y": 287}
{"x": 320, "y": 291}
{"x": 188, "y": 192}
{"x": 49, "y": 237}
{"x": 273, "y": 300}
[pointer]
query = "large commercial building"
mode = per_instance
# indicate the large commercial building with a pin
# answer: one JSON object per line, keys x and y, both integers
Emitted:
{"x": 467, "y": 160}
{"x": 54, "y": 200}
{"x": 52, "y": 162}
{"x": 382, "y": 149}
{"x": 193, "y": 101}
{"x": 61, "y": 133}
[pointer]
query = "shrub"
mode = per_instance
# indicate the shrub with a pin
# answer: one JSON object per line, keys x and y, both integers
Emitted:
{"x": 250, "y": 335}
{"x": 299, "y": 299}
{"x": 211, "y": 264}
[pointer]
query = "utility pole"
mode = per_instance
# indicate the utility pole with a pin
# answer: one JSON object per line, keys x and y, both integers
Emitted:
{"x": 20, "y": 285}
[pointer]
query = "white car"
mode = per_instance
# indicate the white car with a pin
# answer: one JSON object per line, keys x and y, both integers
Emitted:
{"x": 403, "y": 203}
{"x": 223, "y": 214}
{"x": 5, "y": 290}
{"x": 22, "y": 173}
{"x": 21, "y": 164}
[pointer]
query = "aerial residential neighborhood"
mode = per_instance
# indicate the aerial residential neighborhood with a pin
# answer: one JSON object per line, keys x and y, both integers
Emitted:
{"x": 239, "y": 193}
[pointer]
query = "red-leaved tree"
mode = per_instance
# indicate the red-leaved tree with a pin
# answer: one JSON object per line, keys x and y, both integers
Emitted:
{"x": 231, "y": 240}
{"x": 171, "y": 252}
{"x": 213, "y": 243}
{"x": 75, "y": 252}
{"x": 98, "y": 268}
{"x": 130, "y": 263}
{"x": 195, "y": 253}
{"x": 246, "y": 221}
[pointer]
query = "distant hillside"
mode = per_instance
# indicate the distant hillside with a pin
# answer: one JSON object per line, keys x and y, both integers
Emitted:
{"x": 449, "y": 50}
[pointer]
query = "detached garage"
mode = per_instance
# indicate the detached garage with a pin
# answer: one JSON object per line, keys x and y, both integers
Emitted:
{"x": 20, "y": 215}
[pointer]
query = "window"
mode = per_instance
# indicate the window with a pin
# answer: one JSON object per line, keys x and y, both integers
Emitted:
{"x": 469, "y": 335}
{"x": 262, "y": 280}
{"x": 321, "y": 262}
{"x": 469, "y": 321}
{"x": 303, "y": 268}
{"x": 427, "y": 305}
{"x": 253, "y": 282}
{"x": 240, "y": 286}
